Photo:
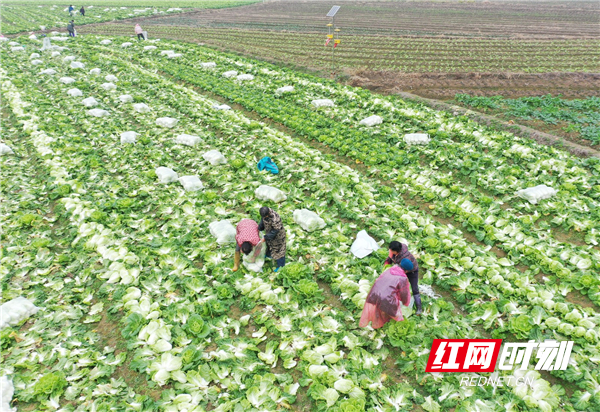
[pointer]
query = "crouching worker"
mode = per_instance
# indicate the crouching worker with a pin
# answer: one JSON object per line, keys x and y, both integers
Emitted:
{"x": 383, "y": 301}
{"x": 398, "y": 253}
{"x": 274, "y": 235}
{"x": 246, "y": 238}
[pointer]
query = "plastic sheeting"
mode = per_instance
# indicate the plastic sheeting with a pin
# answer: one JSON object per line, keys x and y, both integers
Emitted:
{"x": 390, "y": 290}
{"x": 536, "y": 193}
{"x": 364, "y": 245}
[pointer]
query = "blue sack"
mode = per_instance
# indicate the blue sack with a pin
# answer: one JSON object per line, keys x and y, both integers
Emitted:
{"x": 267, "y": 164}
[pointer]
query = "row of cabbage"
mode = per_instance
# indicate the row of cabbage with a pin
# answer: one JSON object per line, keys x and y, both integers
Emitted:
{"x": 163, "y": 100}
{"x": 474, "y": 193}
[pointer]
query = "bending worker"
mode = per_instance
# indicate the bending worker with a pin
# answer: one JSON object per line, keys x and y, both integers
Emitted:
{"x": 399, "y": 255}
{"x": 246, "y": 238}
{"x": 274, "y": 235}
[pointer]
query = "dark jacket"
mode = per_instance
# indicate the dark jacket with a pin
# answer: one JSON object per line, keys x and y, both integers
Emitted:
{"x": 404, "y": 254}
{"x": 70, "y": 27}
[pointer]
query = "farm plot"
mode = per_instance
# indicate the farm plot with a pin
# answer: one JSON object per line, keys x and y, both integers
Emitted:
{"x": 398, "y": 54}
{"x": 578, "y": 118}
{"x": 390, "y": 18}
{"x": 110, "y": 244}
{"x": 20, "y": 18}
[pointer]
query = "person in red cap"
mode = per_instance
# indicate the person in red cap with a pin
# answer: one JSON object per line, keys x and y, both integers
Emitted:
{"x": 246, "y": 238}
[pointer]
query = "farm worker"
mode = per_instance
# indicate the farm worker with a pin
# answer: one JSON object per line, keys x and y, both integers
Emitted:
{"x": 139, "y": 32}
{"x": 71, "y": 9}
{"x": 71, "y": 28}
{"x": 246, "y": 238}
{"x": 274, "y": 235}
{"x": 82, "y": 11}
{"x": 383, "y": 301}
{"x": 399, "y": 252}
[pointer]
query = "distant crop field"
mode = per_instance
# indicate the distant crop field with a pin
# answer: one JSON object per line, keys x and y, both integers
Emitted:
{"x": 578, "y": 118}
{"x": 573, "y": 19}
{"x": 405, "y": 54}
{"x": 16, "y": 17}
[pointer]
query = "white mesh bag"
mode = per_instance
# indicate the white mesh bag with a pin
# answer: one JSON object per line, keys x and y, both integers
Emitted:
{"x": 48, "y": 71}
{"x": 371, "y": 121}
{"x": 5, "y": 150}
{"x": 308, "y": 220}
{"x": 536, "y": 193}
{"x": 36, "y": 62}
{"x": 69, "y": 59}
{"x": 141, "y": 107}
{"x": 191, "y": 183}
{"x": 166, "y": 175}
{"x": 126, "y": 44}
{"x": 230, "y": 73}
{"x": 323, "y": 103}
{"x": 67, "y": 80}
{"x": 243, "y": 77}
{"x": 108, "y": 86}
{"x": 89, "y": 102}
{"x": 77, "y": 65}
{"x": 98, "y": 113}
{"x": 286, "y": 89}
{"x": 111, "y": 78}
{"x": 125, "y": 98}
{"x": 214, "y": 157}
{"x": 106, "y": 42}
{"x": 128, "y": 137}
{"x": 167, "y": 122}
{"x": 187, "y": 139}
{"x": 16, "y": 310}
{"x": 95, "y": 71}
{"x": 75, "y": 92}
{"x": 223, "y": 230}
{"x": 264, "y": 192}
{"x": 416, "y": 138}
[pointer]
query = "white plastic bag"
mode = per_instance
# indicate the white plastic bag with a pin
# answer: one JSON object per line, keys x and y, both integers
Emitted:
{"x": 77, "y": 65}
{"x": 125, "y": 98}
{"x": 141, "y": 107}
{"x": 75, "y": 92}
{"x": 221, "y": 107}
{"x": 98, "y": 113}
{"x": 264, "y": 192}
{"x": 416, "y": 138}
{"x": 230, "y": 73}
{"x": 191, "y": 183}
{"x": 285, "y": 89}
{"x": 17, "y": 49}
{"x": 371, "y": 121}
{"x": 255, "y": 260}
{"x": 48, "y": 71}
{"x": 111, "y": 78}
{"x": 106, "y": 42}
{"x": 323, "y": 103}
{"x": 174, "y": 55}
{"x": 89, "y": 102}
{"x": 243, "y": 77}
{"x": 223, "y": 230}
{"x": 16, "y": 310}
{"x": 36, "y": 62}
{"x": 166, "y": 175}
{"x": 167, "y": 122}
{"x": 96, "y": 71}
{"x": 308, "y": 220}
{"x": 128, "y": 137}
{"x": 6, "y": 395}
{"x": 364, "y": 245}
{"x": 67, "y": 59}
{"x": 188, "y": 139}
{"x": 108, "y": 86}
{"x": 34, "y": 55}
{"x": 208, "y": 65}
{"x": 166, "y": 52}
{"x": 67, "y": 80}
{"x": 214, "y": 157}
{"x": 150, "y": 47}
{"x": 5, "y": 150}
{"x": 55, "y": 54}
{"x": 537, "y": 193}
{"x": 126, "y": 44}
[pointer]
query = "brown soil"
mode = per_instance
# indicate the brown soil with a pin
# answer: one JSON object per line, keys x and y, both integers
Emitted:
{"x": 511, "y": 85}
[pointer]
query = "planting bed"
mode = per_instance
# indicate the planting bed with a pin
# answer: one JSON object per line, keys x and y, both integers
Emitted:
{"x": 139, "y": 309}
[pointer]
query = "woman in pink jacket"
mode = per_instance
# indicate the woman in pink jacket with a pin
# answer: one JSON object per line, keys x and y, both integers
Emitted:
{"x": 139, "y": 32}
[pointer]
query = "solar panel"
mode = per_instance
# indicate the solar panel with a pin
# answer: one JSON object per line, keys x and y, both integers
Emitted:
{"x": 333, "y": 10}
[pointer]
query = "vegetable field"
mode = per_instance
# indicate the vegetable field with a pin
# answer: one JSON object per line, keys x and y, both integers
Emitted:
{"x": 20, "y": 16}
{"x": 139, "y": 307}
{"x": 580, "y": 118}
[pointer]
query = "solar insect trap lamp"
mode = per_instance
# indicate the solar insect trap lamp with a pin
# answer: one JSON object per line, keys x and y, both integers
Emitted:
{"x": 332, "y": 35}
